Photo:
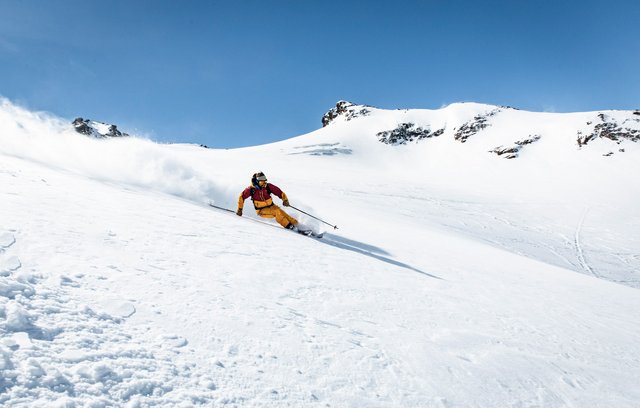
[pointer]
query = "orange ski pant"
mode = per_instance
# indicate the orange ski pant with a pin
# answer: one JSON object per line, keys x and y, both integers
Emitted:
{"x": 278, "y": 213}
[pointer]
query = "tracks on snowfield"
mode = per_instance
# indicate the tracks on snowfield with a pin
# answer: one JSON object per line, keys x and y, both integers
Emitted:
{"x": 549, "y": 231}
{"x": 579, "y": 249}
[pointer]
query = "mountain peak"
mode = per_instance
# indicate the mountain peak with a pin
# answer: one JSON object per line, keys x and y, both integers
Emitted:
{"x": 345, "y": 109}
{"x": 96, "y": 129}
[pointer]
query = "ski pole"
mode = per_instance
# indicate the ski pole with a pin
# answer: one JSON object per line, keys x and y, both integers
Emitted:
{"x": 221, "y": 208}
{"x": 334, "y": 226}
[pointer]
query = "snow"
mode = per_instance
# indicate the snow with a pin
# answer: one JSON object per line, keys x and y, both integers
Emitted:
{"x": 456, "y": 278}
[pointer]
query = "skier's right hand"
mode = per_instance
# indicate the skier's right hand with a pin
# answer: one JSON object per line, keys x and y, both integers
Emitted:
{"x": 239, "y": 212}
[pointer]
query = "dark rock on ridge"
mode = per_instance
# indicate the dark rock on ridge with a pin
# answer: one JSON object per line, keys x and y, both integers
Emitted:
{"x": 511, "y": 152}
{"x": 608, "y": 128}
{"x": 474, "y": 126}
{"x": 89, "y": 127}
{"x": 407, "y": 132}
{"x": 343, "y": 108}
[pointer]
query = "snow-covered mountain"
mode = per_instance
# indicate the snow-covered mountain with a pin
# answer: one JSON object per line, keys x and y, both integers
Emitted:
{"x": 96, "y": 129}
{"x": 515, "y": 129}
{"x": 456, "y": 278}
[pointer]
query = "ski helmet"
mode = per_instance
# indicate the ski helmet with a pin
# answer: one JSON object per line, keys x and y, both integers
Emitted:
{"x": 257, "y": 178}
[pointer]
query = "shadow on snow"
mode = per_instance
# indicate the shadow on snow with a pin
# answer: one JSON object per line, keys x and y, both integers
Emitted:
{"x": 368, "y": 250}
{"x": 348, "y": 244}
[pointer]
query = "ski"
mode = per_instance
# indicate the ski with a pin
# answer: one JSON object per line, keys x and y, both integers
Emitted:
{"x": 221, "y": 208}
{"x": 310, "y": 233}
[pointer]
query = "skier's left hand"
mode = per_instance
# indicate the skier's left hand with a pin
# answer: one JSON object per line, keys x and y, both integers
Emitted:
{"x": 285, "y": 203}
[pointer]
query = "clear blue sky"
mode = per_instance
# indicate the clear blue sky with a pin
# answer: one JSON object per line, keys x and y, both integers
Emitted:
{"x": 246, "y": 72}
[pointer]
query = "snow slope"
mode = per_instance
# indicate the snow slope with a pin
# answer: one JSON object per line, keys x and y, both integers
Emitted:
{"x": 456, "y": 278}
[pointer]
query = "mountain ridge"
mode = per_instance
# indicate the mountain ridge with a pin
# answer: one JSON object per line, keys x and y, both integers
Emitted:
{"x": 466, "y": 120}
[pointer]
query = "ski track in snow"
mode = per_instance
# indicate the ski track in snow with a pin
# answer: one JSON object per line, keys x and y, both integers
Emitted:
{"x": 579, "y": 248}
{"x": 539, "y": 237}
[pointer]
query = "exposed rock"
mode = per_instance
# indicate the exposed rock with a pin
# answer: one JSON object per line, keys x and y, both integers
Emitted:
{"x": 81, "y": 126}
{"x": 474, "y": 126}
{"x": 511, "y": 152}
{"x": 114, "y": 132}
{"x": 346, "y": 109}
{"x": 636, "y": 112}
{"x": 531, "y": 139}
{"x": 407, "y": 132}
{"x": 584, "y": 139}
{"x": 96, "y": 129}
{"x": 609, "y": 129}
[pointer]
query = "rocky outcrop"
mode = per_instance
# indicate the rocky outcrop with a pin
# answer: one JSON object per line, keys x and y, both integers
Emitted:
{"x": 608, "y": 128}
{"x": 96, "y": 129}
{"x": 82, "y": 127}
{"x": 611, "y": 153}
{"x": 344, "y": 109}
{"x": 405, "y": 133}
{"x": 511, "y": 152}
{"x": 474, "y": 126}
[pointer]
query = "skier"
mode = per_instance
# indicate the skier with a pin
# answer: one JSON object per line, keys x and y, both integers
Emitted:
{"x": 260, "y": 192}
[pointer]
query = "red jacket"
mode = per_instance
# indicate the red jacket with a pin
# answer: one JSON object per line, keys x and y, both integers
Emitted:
{"x": 261, "y": 196}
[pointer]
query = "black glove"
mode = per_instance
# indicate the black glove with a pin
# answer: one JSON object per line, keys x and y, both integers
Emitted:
{"x": 239, "y": 212}
{"x": 285, "y": 203}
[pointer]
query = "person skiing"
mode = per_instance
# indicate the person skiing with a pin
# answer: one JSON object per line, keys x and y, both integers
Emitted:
{"x": 260, "y": 192}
